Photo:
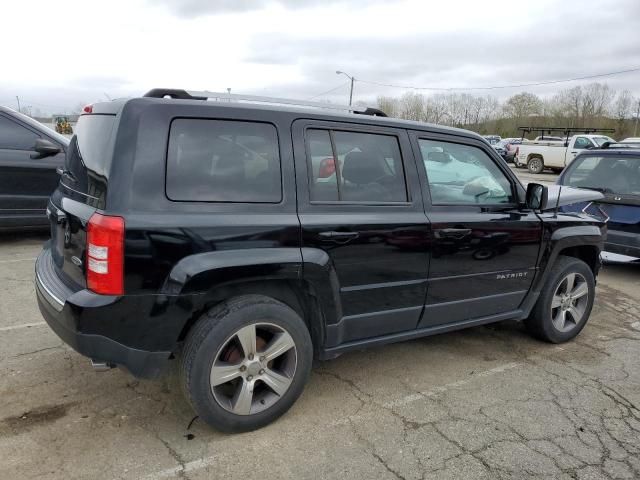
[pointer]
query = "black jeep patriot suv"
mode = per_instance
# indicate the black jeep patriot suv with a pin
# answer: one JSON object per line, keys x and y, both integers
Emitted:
{"x": 244, "y": 240}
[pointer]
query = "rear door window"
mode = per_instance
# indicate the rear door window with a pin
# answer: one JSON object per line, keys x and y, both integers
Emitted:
{"x": 223, "y": 161}
{"x": 355, "y": 167}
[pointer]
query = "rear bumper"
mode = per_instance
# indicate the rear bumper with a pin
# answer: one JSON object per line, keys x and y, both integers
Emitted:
{"x": 70, "y": 312}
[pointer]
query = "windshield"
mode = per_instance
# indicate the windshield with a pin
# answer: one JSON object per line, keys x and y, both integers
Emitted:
{"x": 610, "y": 174}
{"x": 601, "y": 140}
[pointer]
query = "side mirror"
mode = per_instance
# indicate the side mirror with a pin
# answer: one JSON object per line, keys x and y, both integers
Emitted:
{"x": 537, "y": 196}
{"x": 44, "y": 148}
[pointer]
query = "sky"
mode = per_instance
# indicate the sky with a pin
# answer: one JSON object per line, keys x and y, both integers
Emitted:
{"x": 82, "y": 51}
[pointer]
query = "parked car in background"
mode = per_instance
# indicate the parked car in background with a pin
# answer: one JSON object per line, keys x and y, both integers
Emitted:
{"x": 214, "y": 235}
{"x": 501, "y": 148}
{"x": 631, "y": 140}
{"x": 492, "y": 139}
{"x": 615, "y": 173}
{"x": 548, "y": 138}
{"x": 511, "y": 148}
{"x": 30, "y": 153}
{"x": 538, "y": 155}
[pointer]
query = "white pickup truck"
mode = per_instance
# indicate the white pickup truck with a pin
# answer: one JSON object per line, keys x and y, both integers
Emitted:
{"x": 541, "y": 154}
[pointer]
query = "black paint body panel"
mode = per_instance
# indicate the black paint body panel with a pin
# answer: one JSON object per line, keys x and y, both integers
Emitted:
{"x": 394, "y": 277}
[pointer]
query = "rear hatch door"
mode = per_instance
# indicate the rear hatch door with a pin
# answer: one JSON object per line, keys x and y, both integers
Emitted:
{"x": 82, "y": 190}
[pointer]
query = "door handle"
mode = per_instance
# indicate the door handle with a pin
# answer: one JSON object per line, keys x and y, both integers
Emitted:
{"x": 457, "y": 233}
{"x": 338, "y": 235}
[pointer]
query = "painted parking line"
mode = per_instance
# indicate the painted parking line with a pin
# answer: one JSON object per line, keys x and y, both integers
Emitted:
{"x": 180, "y": 470}
{"x": 29, "y": 259}
{"x": 24, "y": 325}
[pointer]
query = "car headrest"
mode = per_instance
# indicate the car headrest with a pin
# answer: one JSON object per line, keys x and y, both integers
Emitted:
{"x": 361, "y": 168}
{"x": 438, "y": 157}
{"x": 230, "y": 167}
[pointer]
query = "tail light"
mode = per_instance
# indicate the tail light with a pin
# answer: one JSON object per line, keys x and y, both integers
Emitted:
{"x": 517, "y": 151}
{"x": 87, "y": 109}
{"x": 105, "y": 254}
{"x": 327, "y": 167}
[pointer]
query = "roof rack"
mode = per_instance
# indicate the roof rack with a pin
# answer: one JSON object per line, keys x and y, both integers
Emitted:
{"x": 232, "y": 97}
{"x": 564, "y": 130}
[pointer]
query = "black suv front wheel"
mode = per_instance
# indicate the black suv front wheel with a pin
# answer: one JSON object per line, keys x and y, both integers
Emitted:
{"x": 245, "y": 363}
{"x": 565, "y": 302}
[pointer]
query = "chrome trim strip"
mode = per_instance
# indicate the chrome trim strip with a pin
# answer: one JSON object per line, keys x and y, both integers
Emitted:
{"x": 617, "y": 257}
{"x": 55, "y": 302}
{"x": 78, "y": 192}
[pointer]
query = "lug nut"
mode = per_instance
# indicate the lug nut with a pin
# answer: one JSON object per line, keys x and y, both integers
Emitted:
{"x": 243, "y": 368}
{"x": 249, "y": 378}
{"x": 262, "y": 359}
{"x": 251, "y": 356}
{"x": 261, "y": 372}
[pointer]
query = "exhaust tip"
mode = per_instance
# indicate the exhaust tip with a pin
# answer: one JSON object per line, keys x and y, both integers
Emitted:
{"x": 100, "y": 366}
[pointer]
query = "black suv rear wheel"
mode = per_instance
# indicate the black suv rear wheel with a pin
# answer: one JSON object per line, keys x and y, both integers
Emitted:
{"x": 565, "y": 302}
{"x": 245, "y": 363}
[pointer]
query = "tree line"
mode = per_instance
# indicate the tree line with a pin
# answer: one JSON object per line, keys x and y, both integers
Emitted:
{"x": 593, "y": 105}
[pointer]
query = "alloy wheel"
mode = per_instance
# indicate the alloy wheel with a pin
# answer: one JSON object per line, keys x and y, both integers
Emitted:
{"x": 569, "y": 302}
{"x": 253, "y": 369}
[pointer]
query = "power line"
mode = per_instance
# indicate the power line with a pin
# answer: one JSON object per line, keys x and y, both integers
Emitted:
{"x": 329, "y": 91}
{"x": 496, "y": 87}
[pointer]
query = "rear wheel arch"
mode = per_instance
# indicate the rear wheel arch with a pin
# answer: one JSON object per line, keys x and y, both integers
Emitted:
{"x": 296, "y": 294}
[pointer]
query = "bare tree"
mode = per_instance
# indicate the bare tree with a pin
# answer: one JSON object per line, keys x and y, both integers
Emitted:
{"x": 412, "y": 106}
{"x": 622, "y": 106}
{"x": 596, "y": 100}
{"x": 436, "y": 110}
{"x": 522, "y": 105}
{"x": 389, "y": 105}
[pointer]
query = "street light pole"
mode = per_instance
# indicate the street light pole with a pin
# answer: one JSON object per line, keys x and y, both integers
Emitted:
{"x": 635, "y": 129}
{"x": 338, "y": 72}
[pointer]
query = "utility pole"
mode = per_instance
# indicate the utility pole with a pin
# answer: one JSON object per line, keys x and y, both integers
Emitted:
{"x": 351, "y": 93}
{"x": 338, "y": 72}
{"x": 635, "y": 129}
{"x": 18, "y": 99}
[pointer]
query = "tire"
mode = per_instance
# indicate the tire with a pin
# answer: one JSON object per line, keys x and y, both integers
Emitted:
{"x": 546, "y": 320}
{"x": 535, "y": 165}
{"x": 260, "y": 389}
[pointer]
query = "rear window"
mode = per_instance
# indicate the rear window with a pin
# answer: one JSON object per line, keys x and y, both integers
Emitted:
{"x": 89, "y": 146}
{"x": 223, "y": 161}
